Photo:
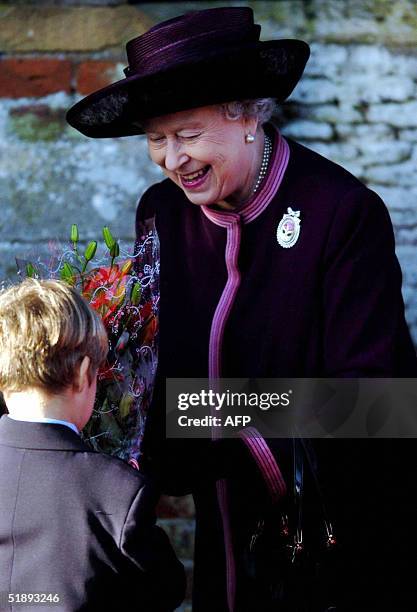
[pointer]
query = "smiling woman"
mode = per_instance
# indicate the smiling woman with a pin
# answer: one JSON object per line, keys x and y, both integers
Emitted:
{"x": 274, "y": 263}
{"x": 206, "y": 154}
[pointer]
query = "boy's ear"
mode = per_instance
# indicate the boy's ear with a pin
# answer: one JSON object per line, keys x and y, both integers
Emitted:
{"x": 81, "y": 378}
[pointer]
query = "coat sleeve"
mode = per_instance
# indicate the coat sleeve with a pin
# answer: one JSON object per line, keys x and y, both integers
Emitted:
{"x": 146, "y": 208}
{"x": 367, "y": 482}
{"x": 146, "y": 546}
{"x": 365, "y": 333}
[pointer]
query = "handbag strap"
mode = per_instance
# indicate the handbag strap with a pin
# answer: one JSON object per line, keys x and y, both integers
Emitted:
{"x": 276, "y": 485}
{"x": 266, "y": 462}
{"x": 309, "y": 454}
{"x": 298, "y": 461}
{"x": 302, "y": 450}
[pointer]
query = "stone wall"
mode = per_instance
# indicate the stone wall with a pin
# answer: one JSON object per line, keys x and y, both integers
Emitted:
{"x": 176, "y": 516}
{"x": 356, "y": 104}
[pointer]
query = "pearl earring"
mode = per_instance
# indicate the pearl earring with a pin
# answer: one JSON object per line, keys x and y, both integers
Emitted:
{"x": 249, "y": 138}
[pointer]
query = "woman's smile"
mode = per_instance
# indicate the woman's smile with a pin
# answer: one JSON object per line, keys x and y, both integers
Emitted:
{"x": 194, "y": 180}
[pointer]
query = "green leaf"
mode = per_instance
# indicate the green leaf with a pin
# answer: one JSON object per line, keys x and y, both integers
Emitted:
{"x": 67, "y": 273}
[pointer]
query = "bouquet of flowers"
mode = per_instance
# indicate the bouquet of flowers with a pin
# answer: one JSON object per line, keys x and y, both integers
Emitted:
{"x": 124, "y": 290}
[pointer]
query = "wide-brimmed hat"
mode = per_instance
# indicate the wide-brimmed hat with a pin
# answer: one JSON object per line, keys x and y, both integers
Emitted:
{"x": 201, "y": 58}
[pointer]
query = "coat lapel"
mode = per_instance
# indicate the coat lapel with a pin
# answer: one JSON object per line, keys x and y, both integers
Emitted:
{"x": 40, "y": 436}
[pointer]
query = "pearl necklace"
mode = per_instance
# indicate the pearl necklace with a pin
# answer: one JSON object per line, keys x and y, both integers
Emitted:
{"x": 265, "y": 162}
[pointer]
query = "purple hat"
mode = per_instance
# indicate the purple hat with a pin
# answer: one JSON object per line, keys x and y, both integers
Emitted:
{"x": 201, "y": 58}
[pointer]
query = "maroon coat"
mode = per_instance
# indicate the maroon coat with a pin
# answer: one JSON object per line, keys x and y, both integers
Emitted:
{"x": 329, "y": 306}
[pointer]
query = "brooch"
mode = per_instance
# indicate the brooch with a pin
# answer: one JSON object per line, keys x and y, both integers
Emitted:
{"x": 288, "y": 228}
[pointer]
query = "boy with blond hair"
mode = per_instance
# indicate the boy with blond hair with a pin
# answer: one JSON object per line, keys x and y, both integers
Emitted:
{"x": 77, "y": 528}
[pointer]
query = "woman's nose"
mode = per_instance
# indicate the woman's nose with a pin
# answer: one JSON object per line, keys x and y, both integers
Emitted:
{"x": 175, "y": 156}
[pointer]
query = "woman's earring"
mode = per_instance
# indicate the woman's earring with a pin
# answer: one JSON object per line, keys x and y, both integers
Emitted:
{"x": 249, "y": 138}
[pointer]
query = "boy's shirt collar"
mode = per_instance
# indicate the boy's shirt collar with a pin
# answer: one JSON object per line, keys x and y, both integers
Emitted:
{"x": 47, "y": 420}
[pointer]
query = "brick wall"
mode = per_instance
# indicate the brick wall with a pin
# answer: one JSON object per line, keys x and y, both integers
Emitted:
{"x": 356, "y": 105}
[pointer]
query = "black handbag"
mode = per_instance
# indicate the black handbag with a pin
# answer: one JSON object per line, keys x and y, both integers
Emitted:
{"x": 292, "y": 557}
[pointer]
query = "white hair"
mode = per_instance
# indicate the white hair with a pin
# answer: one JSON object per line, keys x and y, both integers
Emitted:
{"x": 259, "y": 108}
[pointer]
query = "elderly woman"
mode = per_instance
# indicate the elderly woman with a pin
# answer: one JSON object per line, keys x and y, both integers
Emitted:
{"x": 275, "y": 262}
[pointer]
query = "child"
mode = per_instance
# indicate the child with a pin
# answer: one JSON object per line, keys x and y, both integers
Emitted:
{"x": 77, "y": 528}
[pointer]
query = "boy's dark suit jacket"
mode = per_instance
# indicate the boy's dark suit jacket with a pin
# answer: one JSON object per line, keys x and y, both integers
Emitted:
{"x": 79, "y": 524}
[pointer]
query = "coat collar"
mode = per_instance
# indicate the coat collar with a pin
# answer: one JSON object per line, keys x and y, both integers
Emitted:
{"x": 39, "y": 436}
{"x": 259, "y": 201}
